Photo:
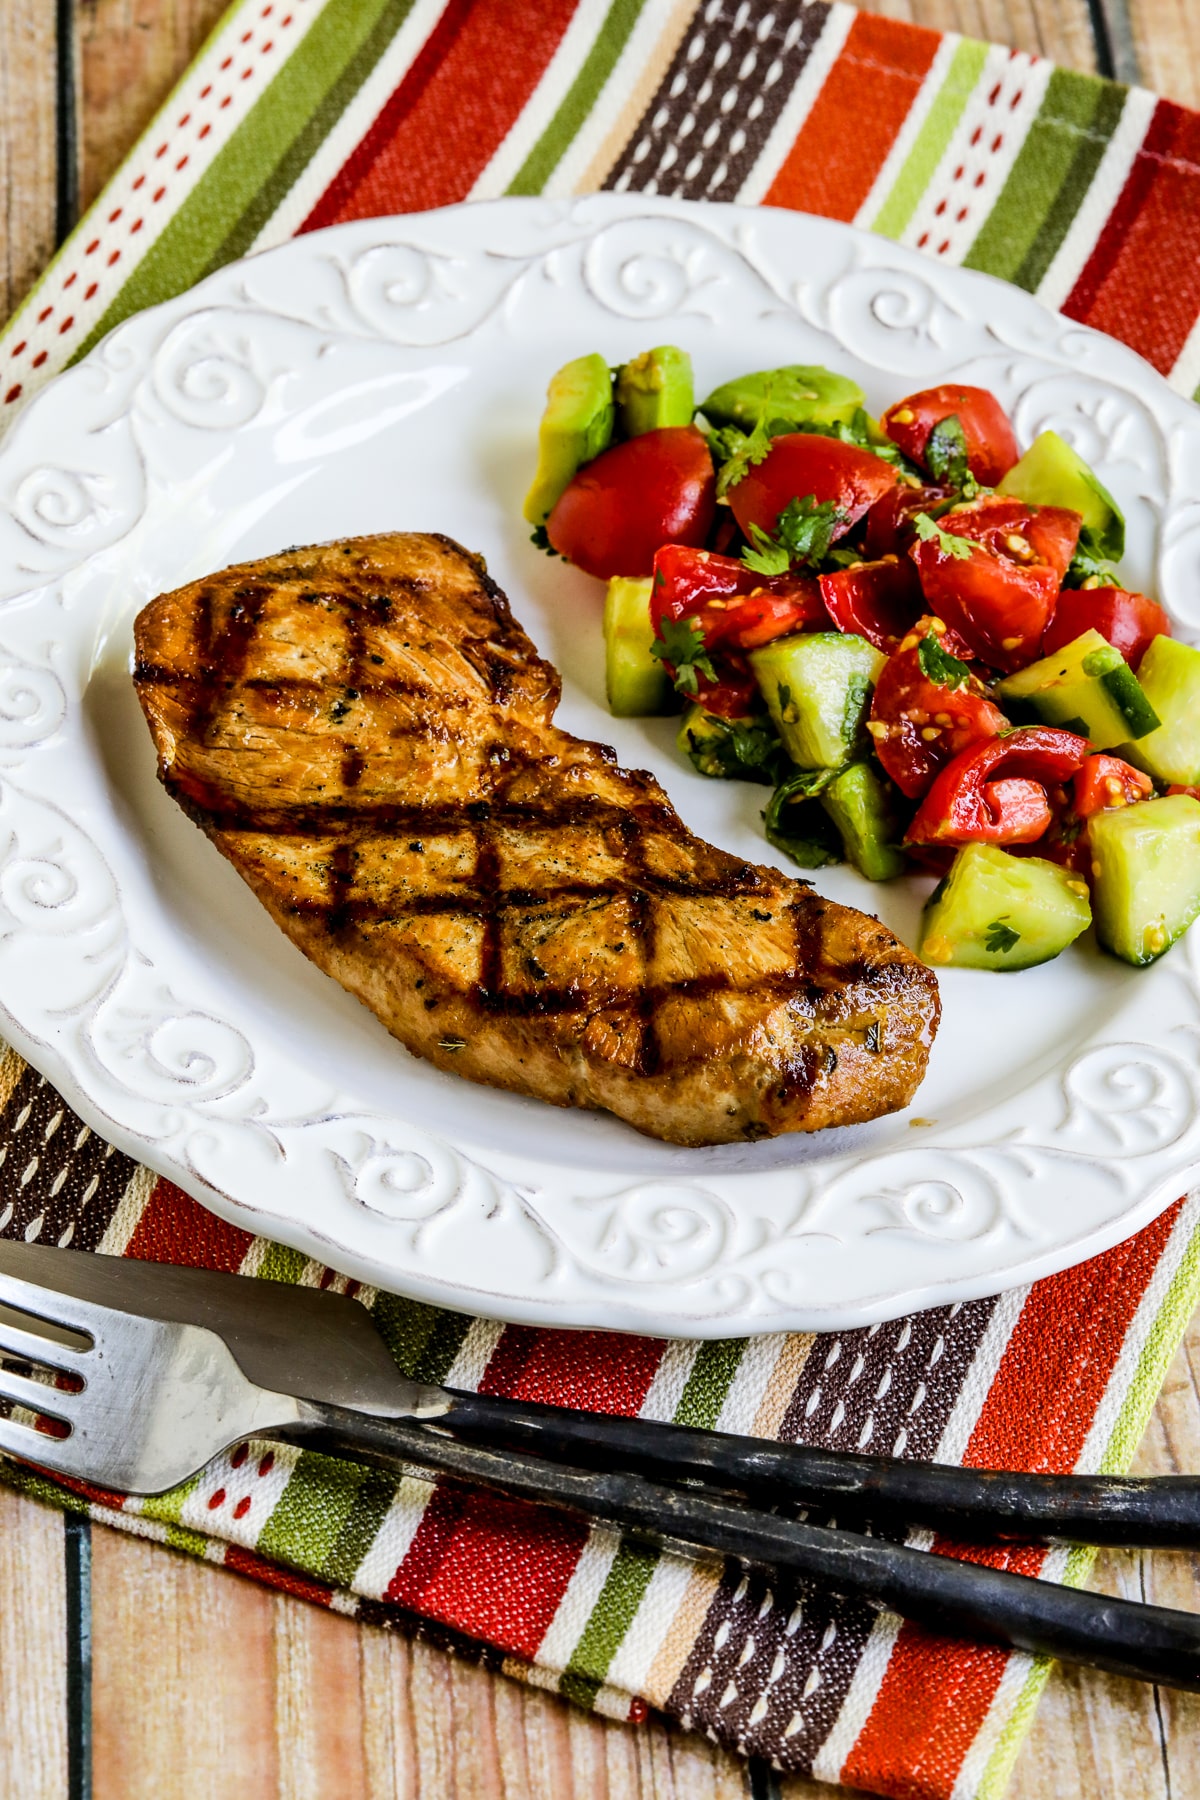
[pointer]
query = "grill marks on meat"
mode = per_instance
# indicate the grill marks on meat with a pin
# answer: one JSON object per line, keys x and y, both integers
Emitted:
{"x": 367, "y": 734}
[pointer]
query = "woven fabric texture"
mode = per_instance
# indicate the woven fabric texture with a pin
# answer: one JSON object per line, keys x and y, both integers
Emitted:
{"x": 303, "y": 113}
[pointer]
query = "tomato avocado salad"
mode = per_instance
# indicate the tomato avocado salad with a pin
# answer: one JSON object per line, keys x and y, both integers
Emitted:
{"x": 913, "y": 633}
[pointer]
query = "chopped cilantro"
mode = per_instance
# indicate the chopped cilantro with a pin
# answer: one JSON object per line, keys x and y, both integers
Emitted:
{"x": 860, "y": 431}
{"x": 796, "y": 822}
{"x": 1087, "y": 565}
{"x": 768, "y": 557}
{"x": 939, "y": 666}
{"x": 737, "y": 750}
{"x": 740, "y": 457}
{"x": 808, "y": 527}
{"x": 540, "y": 541}
{"x": 1001, "y": 938}
{"x": 682, "y": 645}
{"x": 928, "y": 529}
{"x": 946, "y": 457}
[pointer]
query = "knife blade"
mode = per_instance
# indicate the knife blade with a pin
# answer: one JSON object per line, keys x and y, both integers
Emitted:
{"x": 289, "y": 1339}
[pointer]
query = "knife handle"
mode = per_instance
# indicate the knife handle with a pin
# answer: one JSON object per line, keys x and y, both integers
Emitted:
{"x": 971, "y": 1504}
{"x": 1148, "y": 1643}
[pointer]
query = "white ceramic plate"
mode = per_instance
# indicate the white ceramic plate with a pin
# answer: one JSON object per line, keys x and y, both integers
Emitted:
{"x": 390, "y": 374}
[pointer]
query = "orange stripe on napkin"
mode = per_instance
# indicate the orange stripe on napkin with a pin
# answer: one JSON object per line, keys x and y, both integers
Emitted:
{"x": 831, "y": 169}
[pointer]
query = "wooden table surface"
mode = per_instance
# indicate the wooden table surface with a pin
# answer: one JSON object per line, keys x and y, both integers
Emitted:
{"x": 201, "y": 1681}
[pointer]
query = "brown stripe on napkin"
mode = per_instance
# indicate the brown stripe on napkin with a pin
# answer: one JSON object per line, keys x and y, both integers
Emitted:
{"x": 61, "y": 1183}
{"x": 668, "y": 152}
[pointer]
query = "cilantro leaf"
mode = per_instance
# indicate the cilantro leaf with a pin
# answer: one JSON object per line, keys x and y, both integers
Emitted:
{"x": 928, "y": 530}
{"x": 808, "y": 527}
{"x": 741, "y": 457}
{"x": 768, "y": 557}
{"x": 1087, "y": 565}
{"x": 861, "y": 431}
{"x": 939, "y": 666}
{"x": 682, "y": 645}
{"x": 1001, "y": 938}
{"x": 540, "y": 541}
{"x": 796, "y": 822}
{"x": 946, "y": 457}
{"x": 737, "y": 750}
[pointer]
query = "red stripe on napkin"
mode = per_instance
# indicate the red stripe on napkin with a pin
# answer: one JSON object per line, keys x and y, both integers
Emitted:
{"x": 598, "y": 1371}
{"x": 1142, "y": 280}
{"x": 491, "y": 1567}
{"x": 174, "y": 1228}
{"x": 456, "y": 105}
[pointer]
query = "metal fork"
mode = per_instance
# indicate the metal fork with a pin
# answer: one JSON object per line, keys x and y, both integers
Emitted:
{"x": 154, "y": 1400}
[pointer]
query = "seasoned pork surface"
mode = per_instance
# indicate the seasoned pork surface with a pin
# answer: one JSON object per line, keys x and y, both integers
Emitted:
{"x": 367, "y": 734}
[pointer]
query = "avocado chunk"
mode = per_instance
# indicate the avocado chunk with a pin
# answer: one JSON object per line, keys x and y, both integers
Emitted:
{"x": 1087, "y": 687}
{"x": 655, "y": 390}
{"x": 998, "y": 911}
{"x": 1146, "y": 875}
{"x": 797, "y": 395}
{"x": 817, "y": 687}
{"x": 861, "y": 806}
{"x": 636, "y": 682}
{"x": 731, "y": 749}
{"x": 1169, "y": 674}
{"x": 576, "y": 426}
{"x": 1051, "y": 473}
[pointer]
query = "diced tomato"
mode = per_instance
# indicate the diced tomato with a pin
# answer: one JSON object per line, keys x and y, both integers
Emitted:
{"x": 889, "y": 525}
{"x": 1193, "y": 793}
{"x": 1106, "y": 781}
{"x": 996, "y": 792}
{"x": 732, "y": 604}
{"x": 1001, "y": 595}
{"x": 800, "y": 464}
{"x": 734, "y": 694}
{"x": 1130, "y": 622}
{"x": 655, "y": 489}
{"x": 878, "y": 600}
{"x": 991, "y": 446}
{"x": 924, "y": 712}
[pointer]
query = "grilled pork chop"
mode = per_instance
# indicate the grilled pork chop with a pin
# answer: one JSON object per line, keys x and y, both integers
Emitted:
{"x": 367, "y": 734}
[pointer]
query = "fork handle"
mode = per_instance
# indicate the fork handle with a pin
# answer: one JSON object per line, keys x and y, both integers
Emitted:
{"x": 973, "y": 1504}
{"x": 1148, "y": 1643}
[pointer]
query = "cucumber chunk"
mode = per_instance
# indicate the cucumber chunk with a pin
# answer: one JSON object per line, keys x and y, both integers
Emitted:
{"x": 1169, "y": 673}
{"x": 797, "y": 395}
{"x": 576, "y": 426}
{"x": 998, "y": 911}
{"x": 1088, "y": 687}
{"x": 1146, "y": 875}
{"x": 636, "y": 682}
{"x": 860, "y": 805}
{"x": 655, "y": 390}
{"x": 817, "y": 688}
{"x": 732, "y": 749}
{"x": 1051, "y": 473}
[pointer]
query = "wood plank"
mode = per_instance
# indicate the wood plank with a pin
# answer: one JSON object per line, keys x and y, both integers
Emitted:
{"x": 28, "y": 64}
{"x": 1058, "y": 29}
{"x": 1166, "y": 39}
{"x": 129, "y": 55}
{"x": 183, "y": 1682}
{"x": 33, "y": 1690}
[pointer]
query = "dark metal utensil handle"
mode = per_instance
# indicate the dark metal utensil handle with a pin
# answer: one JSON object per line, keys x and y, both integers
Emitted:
{"x": 968, "y": 1503}
{"x": 1149, "y": 1643}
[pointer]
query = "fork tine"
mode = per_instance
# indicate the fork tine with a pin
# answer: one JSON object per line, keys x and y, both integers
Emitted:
{"x": 36, "y": 1395}
{"x": 30, "y": 1346}
{"x": 61, "y": 1455}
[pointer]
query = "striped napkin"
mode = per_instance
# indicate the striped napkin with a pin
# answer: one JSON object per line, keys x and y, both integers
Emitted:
{"x": 302, "y": 113}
